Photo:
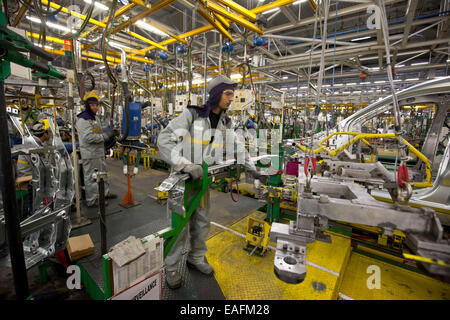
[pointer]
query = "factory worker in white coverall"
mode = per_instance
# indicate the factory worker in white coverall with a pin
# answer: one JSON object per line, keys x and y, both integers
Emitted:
{"x": 92, "y": 148}
{"x": 200, "y": 134}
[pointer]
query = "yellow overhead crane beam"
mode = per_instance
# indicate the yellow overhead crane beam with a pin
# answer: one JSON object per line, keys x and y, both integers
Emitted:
{"x": 231, "y": 16}
{"x": 157, "y": 6}
{"x": 119, "y": 12}
{"x": 205, "y": 14}
{"x": 272, "y": 5}
{"x": 221, "y": 19}
{"x": 90, "y": 54}
{"x": 238, "y": 8}
{"x": 138, "y": 36}
{"x": 260, "y": 9}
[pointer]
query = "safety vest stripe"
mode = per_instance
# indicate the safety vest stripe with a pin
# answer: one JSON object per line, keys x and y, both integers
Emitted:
{"x": 22, "y": 161}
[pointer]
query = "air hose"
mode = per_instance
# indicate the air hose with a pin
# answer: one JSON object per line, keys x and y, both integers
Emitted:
{"x": 69, "y": 35}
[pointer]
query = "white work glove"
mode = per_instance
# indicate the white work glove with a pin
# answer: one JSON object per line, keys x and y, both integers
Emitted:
{"x": 135, "y": 170}
{"x": 194, "y": 170}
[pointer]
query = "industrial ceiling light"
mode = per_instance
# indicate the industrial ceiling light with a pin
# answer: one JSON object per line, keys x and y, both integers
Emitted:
{"x": 34, "y": 19}
{"x": 57, "y": 26}
{"x": 298, "y": 2}
{"x": 144, "y": 25}
{"x": 412, "y": 79}
{"x": 271, "y": 10}
{"x": 285, "y": 77}
{"x": 359, "y": 39}
{"x": 418, "y": 64}
{"x": 115, "y": 44}
{"x": 50, "y": 24}
{"x": 97, "y": 4}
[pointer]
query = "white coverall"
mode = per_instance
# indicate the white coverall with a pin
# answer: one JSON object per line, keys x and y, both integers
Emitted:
{"x": 92, "y": 149}
{"x": 183, "y": 142}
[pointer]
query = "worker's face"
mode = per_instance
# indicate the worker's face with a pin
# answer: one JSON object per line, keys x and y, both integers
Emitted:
{"x": 94, "y": 107}
{"x": 45, "y": 136}
{"x": 226, "y": 99}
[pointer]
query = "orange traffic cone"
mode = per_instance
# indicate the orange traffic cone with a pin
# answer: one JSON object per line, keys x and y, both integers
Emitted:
{"x": 128, "y": 200}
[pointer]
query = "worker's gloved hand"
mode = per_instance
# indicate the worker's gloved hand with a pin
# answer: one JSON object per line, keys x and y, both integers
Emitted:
{"x": 258, "y": 176}
{"x": 194, "y": 170}
{"x": 111, "y": 133}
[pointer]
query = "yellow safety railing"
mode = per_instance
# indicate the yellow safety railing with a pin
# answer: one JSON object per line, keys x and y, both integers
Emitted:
{"x": 362, "y": 137}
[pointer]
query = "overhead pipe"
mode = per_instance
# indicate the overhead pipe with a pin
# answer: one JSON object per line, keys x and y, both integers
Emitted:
{"x": 318, "y": 40}
{"x": 390, "y": 23}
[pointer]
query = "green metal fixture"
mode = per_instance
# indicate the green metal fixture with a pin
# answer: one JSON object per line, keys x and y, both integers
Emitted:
{"x": 12, "y": 45}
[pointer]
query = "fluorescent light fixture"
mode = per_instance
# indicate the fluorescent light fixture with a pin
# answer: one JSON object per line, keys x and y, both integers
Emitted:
{"x": 57, "y": 26}
{"x": 351, "y": 84}
{"x": 144, "y": 25}
{"x": 359, "y": 39}
{"x": 418, "y": 64}
{"x": 102, "y": 67}
{"x": 271, "y": 10}
{"x": 399, "y": 65}
{"x": 34, "y": 19}
{"x": 298, "y": 2}
{"x": 397, "y": 80}
{"x": 448, "y": 60}
{"x": 365, "y": 82}
{"x": 197, "y": 81}
{"x": 293, "y": 88}
{"x": 356, "y": 91}
{"x": 380, "y": 81}
{"x": 326, "y": 85}
{"x": 50, "y": 24}
{"x": 285, "y": 77}
{"x": 338, "y": 84}
{"x": 283, "y": 89}
{"x": 235, "y": 76}
{"x": 374, "y": 69}
{"x": 115, "y": 44}
{"x": 412, "y": 79}
{"x": 97, "y": 4}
